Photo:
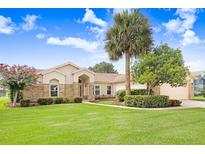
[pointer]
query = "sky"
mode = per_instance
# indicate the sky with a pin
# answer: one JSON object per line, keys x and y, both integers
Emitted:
{"x": 44, "y": 38}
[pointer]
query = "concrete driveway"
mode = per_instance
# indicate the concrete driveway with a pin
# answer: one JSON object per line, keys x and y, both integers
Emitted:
{"x": 193, "y": 104}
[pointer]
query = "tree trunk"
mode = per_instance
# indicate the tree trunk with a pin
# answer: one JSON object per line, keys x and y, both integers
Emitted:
{"x": 147, "y": 88}
{"x": 127, "y": 73}
{"x": 15, "y": 95}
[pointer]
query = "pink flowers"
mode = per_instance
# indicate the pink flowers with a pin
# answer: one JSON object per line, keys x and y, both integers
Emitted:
{"x": 17, "y": 74}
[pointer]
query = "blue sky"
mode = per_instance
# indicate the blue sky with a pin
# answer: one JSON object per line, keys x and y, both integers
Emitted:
{"x": 44, "y": 38}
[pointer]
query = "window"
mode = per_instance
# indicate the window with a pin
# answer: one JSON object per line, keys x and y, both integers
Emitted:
{"x": 97, "y": 90}
{"x": 108, "y": 90}
{"x": 54, "y": 90}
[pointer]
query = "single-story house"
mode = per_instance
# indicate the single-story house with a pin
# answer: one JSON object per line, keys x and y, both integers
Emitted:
{"x": 70, "y": 80}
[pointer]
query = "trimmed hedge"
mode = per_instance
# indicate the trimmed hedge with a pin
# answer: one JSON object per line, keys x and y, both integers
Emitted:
{"x": 66, "y": 100}
{"x": 147, "y": 101}
{"x": 120, "y": 94}
{"x": 203, "y": 93}
{"x": 78, "y": 100}
{"x": 59, "y": 100}
{"x": 174, "y": 102}
{"x": 25, "y": 103}
{"x": 45, "y": 101}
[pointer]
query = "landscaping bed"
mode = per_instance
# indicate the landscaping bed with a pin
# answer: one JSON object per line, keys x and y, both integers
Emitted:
{"x": 43, "y": 101}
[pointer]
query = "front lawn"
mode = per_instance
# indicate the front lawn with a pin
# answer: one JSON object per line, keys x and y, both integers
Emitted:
{"x": 199, "y": 98}
{"x": 2, "y": 102}
{"x": 92, "y": 124}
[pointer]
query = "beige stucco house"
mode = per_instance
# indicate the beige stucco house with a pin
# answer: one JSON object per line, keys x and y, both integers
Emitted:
{"x": 70, "y": 80}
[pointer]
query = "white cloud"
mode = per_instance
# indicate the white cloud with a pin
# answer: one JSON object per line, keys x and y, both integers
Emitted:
{"x": 173, "y": 26}
{"x": 89, "y": 46}
{"x": 156, "y": 29}
{"x": 183, "y": 25}
{"x": 99, "y": 33}
{"x": 29, "y": 22}
{"x": 6, "y": 25}
{"x": 189, "y": 37}
{"x": 120, "y": 10}
{"x": 188, "y": 16}
{"x": 196, "y": 65}
{"x": 90, "y": 16}
{"x": 40, "y": 36}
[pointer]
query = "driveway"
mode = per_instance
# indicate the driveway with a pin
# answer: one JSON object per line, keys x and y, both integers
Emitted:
{"x": 193, "y": 104}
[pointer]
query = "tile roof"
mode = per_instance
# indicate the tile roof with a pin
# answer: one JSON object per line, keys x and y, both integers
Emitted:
{"x": 109, "y": 78}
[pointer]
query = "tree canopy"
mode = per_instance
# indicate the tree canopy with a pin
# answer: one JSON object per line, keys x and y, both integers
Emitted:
{"x": 16, "y": 78}
{"x": 130, "y": 36}
{"x": 103, "y": 67}
{"x": 162, "y": 65}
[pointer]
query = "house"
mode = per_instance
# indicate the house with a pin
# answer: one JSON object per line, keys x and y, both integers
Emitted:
{"x": 180, "y": 93}
{"x": 70, "y": 80}
{"x": 2, "y": 92}
{"x": 199, "y": 82}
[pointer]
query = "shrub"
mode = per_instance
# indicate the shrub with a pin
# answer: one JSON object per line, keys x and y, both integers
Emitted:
{"x": 25, "y": 103}
{"x": 120, "y": 94}
{"x": 59, "y": 100}
{"x": 77, "y": 100}
{"x": 174, "y": 102}
{"x": 45, "y": 101}
{"x": 66, "y": 100}
{"x": 147, "y": 101}
{"x": 203, "y": 93}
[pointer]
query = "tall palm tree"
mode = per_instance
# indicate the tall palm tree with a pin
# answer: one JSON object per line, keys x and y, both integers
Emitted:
{"x": 130, "y": 36}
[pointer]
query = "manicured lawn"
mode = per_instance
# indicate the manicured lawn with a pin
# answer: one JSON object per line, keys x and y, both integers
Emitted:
{"x": 109, "y": 102}
{"x": 2, "y": 101}
{"x": 199, "y": 98}
{"x": 92, "y": 124}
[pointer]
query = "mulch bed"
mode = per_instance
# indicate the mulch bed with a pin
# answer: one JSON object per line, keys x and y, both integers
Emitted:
{"x": 10, "y": 105}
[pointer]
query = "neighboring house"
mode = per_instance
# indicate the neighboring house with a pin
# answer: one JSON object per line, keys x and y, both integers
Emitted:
{"x": 2, "y": 92}
{"x": 199, "y": 82}
{"x": 70, "y": 80}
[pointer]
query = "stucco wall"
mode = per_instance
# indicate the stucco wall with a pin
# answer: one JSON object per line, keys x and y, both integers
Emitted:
{"x": 54, "y": 75}
{"x": 67, "y": 70}
{"x": 103, "y": 89}
{"x": 78, "y": 74}
{"x": 121, "y": 86}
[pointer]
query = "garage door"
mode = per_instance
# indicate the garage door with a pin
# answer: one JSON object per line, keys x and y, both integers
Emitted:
{"x": 174, "y": 92}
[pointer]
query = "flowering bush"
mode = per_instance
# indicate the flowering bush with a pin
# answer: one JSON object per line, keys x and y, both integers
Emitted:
{"x": 16, "y": 78}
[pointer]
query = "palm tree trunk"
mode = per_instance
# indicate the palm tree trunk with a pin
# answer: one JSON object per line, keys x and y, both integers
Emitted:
{"x": 127, "y": 73}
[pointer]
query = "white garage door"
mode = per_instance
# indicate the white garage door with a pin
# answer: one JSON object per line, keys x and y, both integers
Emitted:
{"x": 174, "y": 92}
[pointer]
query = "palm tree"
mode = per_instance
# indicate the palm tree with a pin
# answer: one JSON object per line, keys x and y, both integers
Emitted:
{"x": 130, "y": 36}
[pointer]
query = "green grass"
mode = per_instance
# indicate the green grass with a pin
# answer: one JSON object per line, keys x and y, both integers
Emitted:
{"x": 2, "y": 102}
{"x": 199, "y": 98}
{"x": 92, "y": 124}
{"x": 108, "y": 102}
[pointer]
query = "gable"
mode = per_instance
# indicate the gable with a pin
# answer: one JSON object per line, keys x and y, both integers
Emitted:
{"x": 67, "y": 69}
{"x": 54, "y": 75}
